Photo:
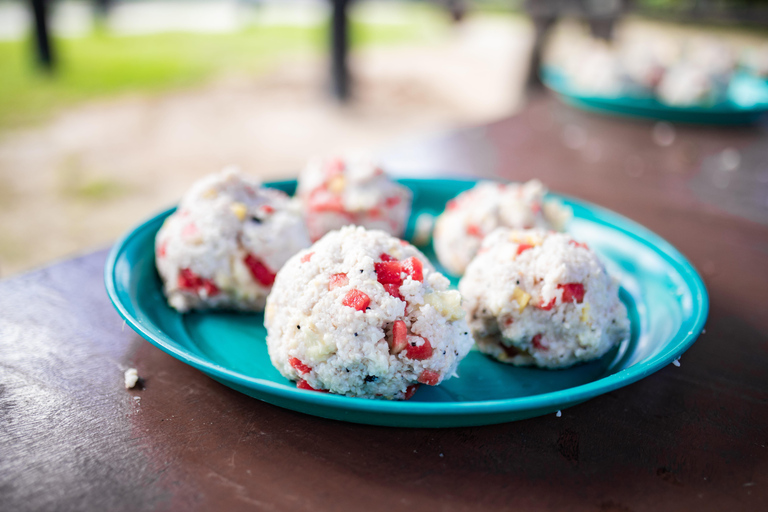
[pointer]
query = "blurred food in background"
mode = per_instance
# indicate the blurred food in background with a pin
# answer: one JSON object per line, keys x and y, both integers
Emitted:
{"x": 143, "y": 97}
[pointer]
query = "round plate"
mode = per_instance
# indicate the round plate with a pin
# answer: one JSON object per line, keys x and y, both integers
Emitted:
{"x": 665, "y": 297}
{"x": 747, "y": 101}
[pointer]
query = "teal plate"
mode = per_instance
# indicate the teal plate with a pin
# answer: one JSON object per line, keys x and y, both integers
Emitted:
{"x": 746, "y": 102}
{"x": 666, "y": 299}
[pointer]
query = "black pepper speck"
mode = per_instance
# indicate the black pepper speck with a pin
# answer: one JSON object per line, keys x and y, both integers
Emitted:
{"x": 298, "y": 327}
{"x": 371, "y": 378}
{"x": 355, "y": 335}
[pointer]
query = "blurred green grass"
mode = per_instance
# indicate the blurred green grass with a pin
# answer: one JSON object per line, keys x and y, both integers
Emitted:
{"x": 101, "y": 65}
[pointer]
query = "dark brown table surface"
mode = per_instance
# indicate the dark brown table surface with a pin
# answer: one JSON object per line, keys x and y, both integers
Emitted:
{"x": 687, "y": 438}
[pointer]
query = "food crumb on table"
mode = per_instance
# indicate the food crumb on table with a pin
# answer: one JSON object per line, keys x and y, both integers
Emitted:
{"x": 676, "y": 362}
{"x": 559, "y": 414}
{"x": 131, "y": 378}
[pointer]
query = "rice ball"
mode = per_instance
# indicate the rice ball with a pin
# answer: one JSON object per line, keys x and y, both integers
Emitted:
{"x": 225, "y": 242}
{"x": 460, "y": 229}
{"x": 363, "y": 314}
{"x": 338, "y": 192}
{"x": 687, "y": 85}
{"x": 541, "y": 298}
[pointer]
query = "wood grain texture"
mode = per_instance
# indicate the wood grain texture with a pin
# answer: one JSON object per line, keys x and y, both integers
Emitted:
{"x": 688, "y": 438}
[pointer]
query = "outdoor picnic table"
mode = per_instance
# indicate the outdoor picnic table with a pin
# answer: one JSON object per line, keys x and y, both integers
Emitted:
{"x": 685, "y": 438}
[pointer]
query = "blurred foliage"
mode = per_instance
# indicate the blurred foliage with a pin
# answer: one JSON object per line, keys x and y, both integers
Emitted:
{"x": 103, "y": 64}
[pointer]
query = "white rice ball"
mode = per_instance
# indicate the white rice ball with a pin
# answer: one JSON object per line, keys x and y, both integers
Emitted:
{"x": 338, "y": 192}
{"x": 541, "y": 298}
{"x": 225, "y": 242}
{"x": 361, "y": 313}
{"x": 687, "y": 85}
{"x": 460, "y": 229}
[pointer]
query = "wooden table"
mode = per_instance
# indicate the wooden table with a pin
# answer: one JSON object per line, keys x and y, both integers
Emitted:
{"x": 687, "y": 438}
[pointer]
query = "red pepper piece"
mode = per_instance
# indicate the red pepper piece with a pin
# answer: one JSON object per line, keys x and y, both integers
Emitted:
{"x": 190, "y": 281}
{"x": 320, "y": 200}
{"x": 267, "y": 209}
{"x": 357, "y": 300}
{"x": 335, "y": 166}
{"x": 189, "y": 230}
{"x": 578, "y": 244}
{"x": 452, "y": 204}
{"x": 521, "y": 248}
{"x": 393, "y": 290}
{"x": 386, "y": 257}
{"x": 302, "y": 384}
{"x": 392, "y": 201}
{"x": 474, "y": 230}
{"x": 572, "y": 291}
{"x": 307, "y": 257}
{"x": 429, "y": 377}
{"x": 414, "y": 268}
{"x": 388, "y": 272}
{"x": 299, "y": 366}
{"x": 259, "y": 270}
{"x": 547, "y": 306}
{"x": 537, "y": 344}
{"x": 410, "y": 390}
{"x": 338, "y": 280}
{"x": 399, "y": 337}
{"x": 420, "y": 352}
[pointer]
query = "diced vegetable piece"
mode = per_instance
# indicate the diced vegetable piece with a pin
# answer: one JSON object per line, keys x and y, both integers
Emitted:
{"x": 259, "y": 271}
{"x": 474, "y": 230}
{"x": 299, "y": 366}
{"x": 338, "y": 280}
{"x": 410, "y": 391}
{"x": 302, "y": 384}
{"x": 357, "y": 300}
{"x": 393, "y": 290}
{"x": 388, "y": 272}
{"x": 420, "y": 352}
{"x": 523, "y": 247}
{"x": 572, "y": 291}
{"x": 399, "y": 337}
{"x": 429, "y": 377}
{"x": 414, "y": 268}
{"x": 192, "y": 282}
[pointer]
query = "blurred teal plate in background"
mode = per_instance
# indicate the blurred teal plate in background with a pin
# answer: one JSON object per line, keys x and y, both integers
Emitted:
{"x": 746, "y": 103}
{"x": 666, "y": 299}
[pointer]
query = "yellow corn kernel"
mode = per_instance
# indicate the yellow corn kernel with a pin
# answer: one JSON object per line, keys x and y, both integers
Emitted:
{"x": 521, "y": 298}
{"x": 240, "y": 210}
{"x": 210, "y": 193}
{"x": 448, "y": 304}
{"x": 336, "y": 184}
{"x": 585, "y": 313}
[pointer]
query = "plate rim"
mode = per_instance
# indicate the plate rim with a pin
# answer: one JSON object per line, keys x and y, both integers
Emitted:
{"x": 677, "y": 346}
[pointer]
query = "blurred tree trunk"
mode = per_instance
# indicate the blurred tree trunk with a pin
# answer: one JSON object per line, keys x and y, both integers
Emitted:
{"x": 43, "y": 49}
